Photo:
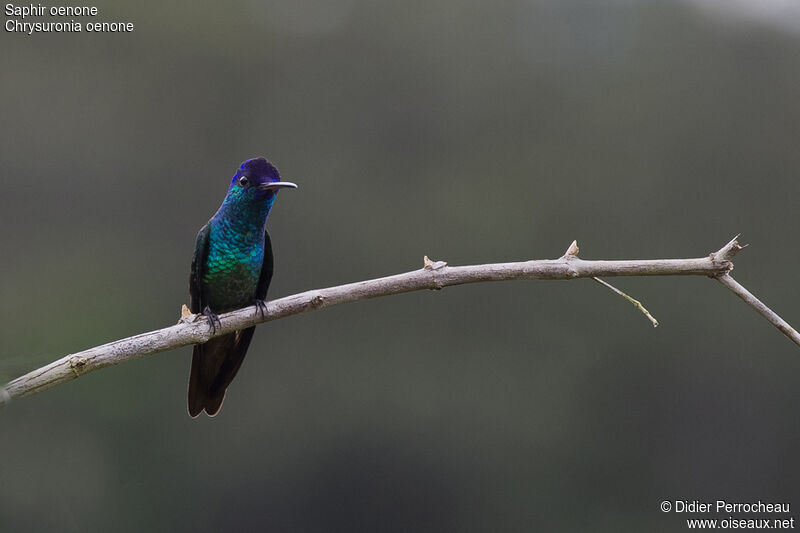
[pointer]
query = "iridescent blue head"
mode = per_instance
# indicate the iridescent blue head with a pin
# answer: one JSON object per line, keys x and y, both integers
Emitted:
{"x": 255, "y": 185}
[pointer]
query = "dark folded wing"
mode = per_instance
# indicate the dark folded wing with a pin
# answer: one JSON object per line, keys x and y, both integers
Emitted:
{"x": 196, "y": 299}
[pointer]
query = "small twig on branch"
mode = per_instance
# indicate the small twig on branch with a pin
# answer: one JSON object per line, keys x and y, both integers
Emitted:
{"x": 193, "y": 329}
{"x": 636, "y": 303}
{"x": 572, "y": 251}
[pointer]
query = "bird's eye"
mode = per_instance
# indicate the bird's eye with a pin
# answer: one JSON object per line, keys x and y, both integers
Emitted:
{"x": 243, "y": 181}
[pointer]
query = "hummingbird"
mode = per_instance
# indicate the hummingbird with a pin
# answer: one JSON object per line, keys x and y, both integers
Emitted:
{"x": 232, "y": 268}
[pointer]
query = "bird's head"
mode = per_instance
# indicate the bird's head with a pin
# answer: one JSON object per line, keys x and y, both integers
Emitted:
{"x": 256, "y": 182}
{"x": 259, "y": 177}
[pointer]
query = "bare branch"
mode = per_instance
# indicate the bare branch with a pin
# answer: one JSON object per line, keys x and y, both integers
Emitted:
{"x": 193, "y": 329}
{"x": 760, "y": 308}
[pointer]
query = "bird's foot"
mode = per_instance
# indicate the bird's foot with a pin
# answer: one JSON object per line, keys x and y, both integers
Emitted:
{"x": 262, "y": 307}
{"x": 213, "y": 319}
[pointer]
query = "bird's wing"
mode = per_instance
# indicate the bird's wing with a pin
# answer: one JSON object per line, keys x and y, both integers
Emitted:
{"x": 266, "y": 269}
{"x": 196, "y": 300}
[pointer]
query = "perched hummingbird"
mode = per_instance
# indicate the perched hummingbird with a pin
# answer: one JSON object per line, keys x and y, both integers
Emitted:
{"x": 232, "y": 268}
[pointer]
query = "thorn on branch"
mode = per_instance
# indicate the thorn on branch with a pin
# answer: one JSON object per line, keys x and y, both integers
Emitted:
{"x": 572, "y": 250}
{"x": 433, "y": 266}
{"x": 428, "y": 264}
{"x": 186, "y": 315}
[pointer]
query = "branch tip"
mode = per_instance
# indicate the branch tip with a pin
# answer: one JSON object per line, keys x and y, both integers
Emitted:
{"x": 727, "y": 252}
{"x": 761, "y": 308}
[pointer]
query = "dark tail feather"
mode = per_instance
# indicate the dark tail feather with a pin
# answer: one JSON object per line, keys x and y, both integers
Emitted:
{"x": 207, "y": 359}
{"x": 214, "y": 365}
{"x": 228, "y": 370}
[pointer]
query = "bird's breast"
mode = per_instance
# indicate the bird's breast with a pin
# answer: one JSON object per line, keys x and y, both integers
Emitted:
{"x": 233, "y": 266}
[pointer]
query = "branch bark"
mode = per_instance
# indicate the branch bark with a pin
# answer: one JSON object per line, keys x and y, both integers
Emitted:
{"x": 434, "y": 275}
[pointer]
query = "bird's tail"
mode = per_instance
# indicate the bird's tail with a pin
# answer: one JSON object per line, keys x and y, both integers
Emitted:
{"x": 214, "y": 365}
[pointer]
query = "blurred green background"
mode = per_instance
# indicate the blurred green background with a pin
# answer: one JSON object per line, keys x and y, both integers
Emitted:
{"x": 468, "y": 131}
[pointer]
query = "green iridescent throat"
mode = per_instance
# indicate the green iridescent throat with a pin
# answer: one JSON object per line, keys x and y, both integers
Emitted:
{"x": 236, "y": 248}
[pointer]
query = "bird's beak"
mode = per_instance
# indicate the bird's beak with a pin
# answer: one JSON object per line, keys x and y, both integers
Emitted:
{"x": 278, "y": 185}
